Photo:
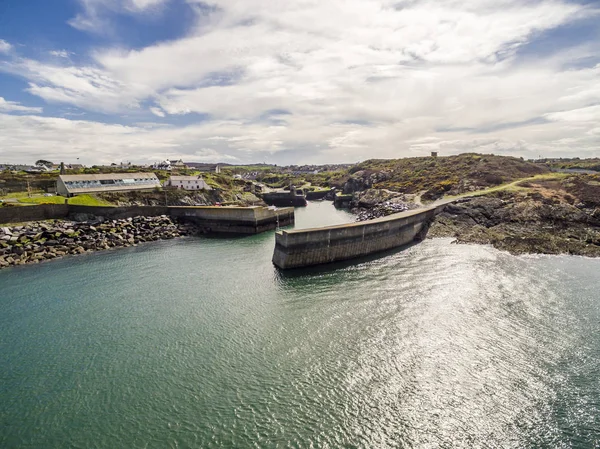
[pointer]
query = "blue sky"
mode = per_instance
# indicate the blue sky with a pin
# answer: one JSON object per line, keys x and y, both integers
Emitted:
{"x": 301, "y": 81}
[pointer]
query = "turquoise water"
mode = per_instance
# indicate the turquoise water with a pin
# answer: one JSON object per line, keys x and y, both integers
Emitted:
{"x": 201, "y": 342}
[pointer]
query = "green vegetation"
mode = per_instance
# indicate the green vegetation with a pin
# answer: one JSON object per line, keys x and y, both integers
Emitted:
{"x": 80, "y": 200}
{"x": 248, "y": 168}
{"x": 326, "y": 178}
{"x": 221, "y": 181}
{"x": 574, "y": 164}
{"x": 88, "y": 200}
{"x": 281, "y": 180}
{"x": 19, "y": 195}
{"x": 43, "y": 200}
{"x": 521, "y": 185}
{"x": 435, "y": 177}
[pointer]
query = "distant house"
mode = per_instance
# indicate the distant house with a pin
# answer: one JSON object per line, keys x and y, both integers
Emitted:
{"x": 187, "y": 183}
{"x": 69, "y": 185}
{"x": 164, "y": 165}
{"x": 36, "y": 169}
{"x": 202, "y": 167}
{"x": 178, "y": 164}
{"x": 170, "y": 165}
{"x": 17, "y": 167}
{"x": 67, "y": 166}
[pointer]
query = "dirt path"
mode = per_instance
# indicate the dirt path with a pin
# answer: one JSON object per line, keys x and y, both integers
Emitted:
{"x": 510, "y": 185}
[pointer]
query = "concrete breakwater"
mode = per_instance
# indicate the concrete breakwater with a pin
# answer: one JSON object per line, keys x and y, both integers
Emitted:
{"x": 234, "y": 220}
{"x": 40, "y": 241}
{"x": 207, "y": 219}
{"x": 307, "y": 247}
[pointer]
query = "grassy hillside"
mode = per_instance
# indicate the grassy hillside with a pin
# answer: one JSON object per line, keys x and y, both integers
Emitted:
{"x": 443, "y": 175}
{"x": 575, "y": 164}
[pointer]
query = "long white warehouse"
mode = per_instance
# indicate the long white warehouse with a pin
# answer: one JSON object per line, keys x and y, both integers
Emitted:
{"x": 69, "y": 185}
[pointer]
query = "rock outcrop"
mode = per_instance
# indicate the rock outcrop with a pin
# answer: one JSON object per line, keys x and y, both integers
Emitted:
{"x": 375, "y": 203}
{"x": 523, "y": 223}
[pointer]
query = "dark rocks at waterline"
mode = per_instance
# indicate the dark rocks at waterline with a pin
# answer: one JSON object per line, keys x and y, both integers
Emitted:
{"x": 522, "y": 223}
{"x": 381, "y": 210}
{"x": 376, "y": 203}
{"x": 39, "y": 241}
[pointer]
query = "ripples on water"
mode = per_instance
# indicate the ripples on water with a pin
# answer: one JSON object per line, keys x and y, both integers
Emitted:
{"x": 202, "y": 343}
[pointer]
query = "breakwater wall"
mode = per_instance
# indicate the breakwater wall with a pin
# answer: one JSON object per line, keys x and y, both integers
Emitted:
{"x": 234, "y": 220}
{"x": 22, "y": 214}
{"x": 308, "y": 247}
{"x": 225, "y": 220}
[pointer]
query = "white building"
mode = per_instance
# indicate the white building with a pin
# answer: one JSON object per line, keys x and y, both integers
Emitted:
{"x": 187, "y": 183}
{"x": 69, "y": 185}
{"x": 164, "y": 165}
{"x": 202, "y": 167}
{"x": 170, "y": 165}
{"x": 178, "y": 164}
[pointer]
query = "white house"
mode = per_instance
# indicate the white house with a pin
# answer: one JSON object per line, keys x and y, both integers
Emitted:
{"x": 169, "y": 165}
{"x": 188, "y": 183}
{"x": 164, "y": 165}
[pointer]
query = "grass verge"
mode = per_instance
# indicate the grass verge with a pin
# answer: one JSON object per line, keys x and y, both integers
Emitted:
{"x": 80, "y": 200}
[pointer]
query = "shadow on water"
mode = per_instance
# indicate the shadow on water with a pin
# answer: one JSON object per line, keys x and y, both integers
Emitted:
{"x": 228, "y": 236}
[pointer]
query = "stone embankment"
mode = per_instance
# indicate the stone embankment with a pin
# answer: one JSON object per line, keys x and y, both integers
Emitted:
{"x": 40, "y": 241}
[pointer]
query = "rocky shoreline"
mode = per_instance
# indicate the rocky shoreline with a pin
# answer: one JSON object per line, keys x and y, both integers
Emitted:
{"x": 376, "y": 203}
{"x": 524, "y": 223}
{"x": 551, "y": 215}
{"x": 36, "y": 242}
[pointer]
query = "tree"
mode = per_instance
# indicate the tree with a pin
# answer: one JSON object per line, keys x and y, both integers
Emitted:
{"x": 41, "y": 162}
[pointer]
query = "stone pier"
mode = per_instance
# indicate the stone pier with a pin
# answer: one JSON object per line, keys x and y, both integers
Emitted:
{"x": 308, "y": 247}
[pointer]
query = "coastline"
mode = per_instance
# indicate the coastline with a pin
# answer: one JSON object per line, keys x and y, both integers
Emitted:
{"x": 37, "y": 242}
{"x": 522, "y": 223}
{"x": 546, "y": 214}
{"x": 516, "y": 222}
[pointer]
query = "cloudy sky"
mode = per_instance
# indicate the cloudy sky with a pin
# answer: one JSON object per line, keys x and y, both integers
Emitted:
{"x": 297, "y": 81}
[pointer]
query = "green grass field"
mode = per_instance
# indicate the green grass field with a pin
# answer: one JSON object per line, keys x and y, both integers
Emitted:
{"x": 20, "y": 195}
{"x": 42, "y": 200}
{"x": 88, "y": 200}
{"x": 80, "y": 200}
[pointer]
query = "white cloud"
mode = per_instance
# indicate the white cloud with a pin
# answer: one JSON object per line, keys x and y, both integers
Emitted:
{"x": 13, "y": 106}
{"x": 5, "y": 47}
{"x": 83, "y": 86}
{"x": 31, "y": 137}
{"x": 356, "y": 79}
{"x": 589, "y": 114}
{"x": 158, "y": 112}
{"x": 142, "y": 5}
{"x": 61, "y": 53}
{"x": 93, "y": 17}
